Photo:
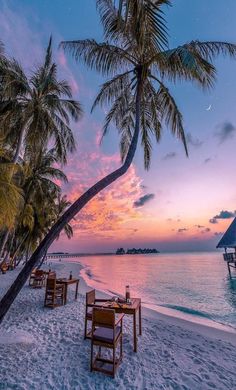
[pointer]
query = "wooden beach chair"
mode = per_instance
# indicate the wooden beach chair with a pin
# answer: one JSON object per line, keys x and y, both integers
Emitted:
{"x": 106, "y": 333}
{"x": 38, "y": 279}
{"x": 90, "y": 303}
{"x": 32, "y": 276}
{"x": 54, "y": 293}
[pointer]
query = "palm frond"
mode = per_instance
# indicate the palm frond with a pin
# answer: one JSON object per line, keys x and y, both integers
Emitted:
{"x": 170, "y": 112}
{"x": 184, "y": 64}
{"x": 11, "y": 196}
{"x": 102, "y": 57}
{"x": 112, "y": 89}
{"x": 145, "y": 20}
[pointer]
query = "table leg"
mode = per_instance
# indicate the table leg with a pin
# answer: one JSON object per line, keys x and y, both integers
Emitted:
{"x": 76, "y": 290}
{"x": 135, "y": 336}
{"x": 65, "y": 294}
{"x": 140, "y": 320}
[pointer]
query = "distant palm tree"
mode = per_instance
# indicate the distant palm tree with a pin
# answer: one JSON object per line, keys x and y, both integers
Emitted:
{"x": 136, "y": 57}
{"x": 37, "y": 109}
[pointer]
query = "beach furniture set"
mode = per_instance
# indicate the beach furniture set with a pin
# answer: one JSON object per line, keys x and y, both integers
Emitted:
{"x": 55, "y": 289}
{"x": 105, "y": 317}
{"x": 107, "y": 332}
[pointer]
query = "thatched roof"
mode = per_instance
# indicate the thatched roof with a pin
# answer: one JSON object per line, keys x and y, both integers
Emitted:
{"x": 229, "y": 238}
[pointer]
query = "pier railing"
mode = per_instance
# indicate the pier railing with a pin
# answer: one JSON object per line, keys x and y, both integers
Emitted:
{"x": 62, "y": 255}
{"x": 230, "y": 257}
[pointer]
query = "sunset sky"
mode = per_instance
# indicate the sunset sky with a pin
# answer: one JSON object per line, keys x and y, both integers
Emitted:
{"x": 180, "y": 203}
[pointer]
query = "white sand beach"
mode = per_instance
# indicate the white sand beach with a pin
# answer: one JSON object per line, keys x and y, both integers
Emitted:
{"x": 42, "y": 348}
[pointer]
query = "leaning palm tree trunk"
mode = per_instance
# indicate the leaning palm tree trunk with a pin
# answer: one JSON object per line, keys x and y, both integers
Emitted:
{"x": 3, "y": 243}
{"x": 15, "y": 288}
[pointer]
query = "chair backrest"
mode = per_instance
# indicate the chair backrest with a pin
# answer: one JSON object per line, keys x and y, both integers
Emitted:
{"x": 39, "y": 272}
{"x": 52, "y": 275}
{"x": 51, "y": 284}
{"x": 90, "y": 297}
{"x": 103, "y": 317}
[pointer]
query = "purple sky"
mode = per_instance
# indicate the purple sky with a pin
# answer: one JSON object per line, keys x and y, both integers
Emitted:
{"x": 183, "y": 204}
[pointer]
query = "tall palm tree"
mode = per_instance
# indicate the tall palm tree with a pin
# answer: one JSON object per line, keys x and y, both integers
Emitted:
{"x": 138, "y": 61}
{"x": 10, "y": 191}
{"x": 41, "y": 199}
{"x": 11, "y": 195}
{"x": 35, "y": 110}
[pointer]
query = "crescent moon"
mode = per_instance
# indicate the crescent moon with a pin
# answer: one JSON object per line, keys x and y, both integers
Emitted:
{"x": 208, "y": 108}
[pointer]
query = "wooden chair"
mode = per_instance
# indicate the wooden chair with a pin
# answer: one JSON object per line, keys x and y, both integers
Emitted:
{"x": 90, "y": 303}
{"x": 32, "y": 276}
{"x": 4, "y": 267}
{"x": 106, "y": 333}
{"x": 54, "y": 293}
{"x": 52, "y": 275}
{"x": 39, "y": 279}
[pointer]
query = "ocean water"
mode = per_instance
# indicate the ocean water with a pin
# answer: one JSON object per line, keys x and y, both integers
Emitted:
{"x": 195, "y": 286}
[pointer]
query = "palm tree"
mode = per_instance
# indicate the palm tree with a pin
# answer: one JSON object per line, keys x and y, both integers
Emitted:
{"x": 37, "y": 109}
{"x": 137, "y": 59}
{"x": 62, "y": 205}
{"x": 41, "y": 199}
{"x": 11, "y": 195}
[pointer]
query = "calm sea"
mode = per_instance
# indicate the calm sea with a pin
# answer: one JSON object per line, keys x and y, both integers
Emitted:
{"x": 193, "y": 285}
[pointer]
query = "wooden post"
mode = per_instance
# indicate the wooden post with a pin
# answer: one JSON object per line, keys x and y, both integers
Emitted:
{"x": 229, "y": 269}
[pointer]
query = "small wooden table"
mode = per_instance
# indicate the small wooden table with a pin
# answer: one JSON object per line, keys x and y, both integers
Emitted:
{"x": 131, "y": 309}
{"x": 66, "y": 283}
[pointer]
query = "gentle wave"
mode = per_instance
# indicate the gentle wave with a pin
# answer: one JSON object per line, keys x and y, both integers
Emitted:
{"x": 187, "y": 310}
{"x": 195, "y": 285}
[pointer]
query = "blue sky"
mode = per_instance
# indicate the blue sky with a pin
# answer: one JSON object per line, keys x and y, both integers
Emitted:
{"x": 187, "y": 193}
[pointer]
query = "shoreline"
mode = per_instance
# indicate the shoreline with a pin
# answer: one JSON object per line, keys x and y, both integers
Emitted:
{"x": 205, "y": 327}
{"x": 44, "y": 349}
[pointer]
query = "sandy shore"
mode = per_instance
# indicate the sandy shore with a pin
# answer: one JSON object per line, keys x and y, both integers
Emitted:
{"x": 44, "y": 349}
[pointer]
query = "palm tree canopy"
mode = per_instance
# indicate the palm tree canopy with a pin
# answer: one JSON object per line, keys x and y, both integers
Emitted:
{"x": 136, "y": 45}
{"x": 11, "y": 195}
{"x": 40, "y": 105}
{"x": 42, "y": 200}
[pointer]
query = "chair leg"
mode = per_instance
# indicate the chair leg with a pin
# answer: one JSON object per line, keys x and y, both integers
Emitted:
{"x": 114, "y": 362}
{"x": 45, "y": 299}
{"x": 85, "y": 328}
{"x": 91, "y": 358}
{"x": 64, "y": 298}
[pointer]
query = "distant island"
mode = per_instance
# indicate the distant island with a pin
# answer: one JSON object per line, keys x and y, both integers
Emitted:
{"x": 134, "y": 251}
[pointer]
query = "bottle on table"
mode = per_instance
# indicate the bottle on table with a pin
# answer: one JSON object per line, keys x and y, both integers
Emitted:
{"x": 127, "y": 293}
{"x": 70, "y": 277}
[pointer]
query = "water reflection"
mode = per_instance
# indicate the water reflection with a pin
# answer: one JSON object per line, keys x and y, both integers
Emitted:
{"x": 231, "y": 292}
{"x": 195, "y": 282}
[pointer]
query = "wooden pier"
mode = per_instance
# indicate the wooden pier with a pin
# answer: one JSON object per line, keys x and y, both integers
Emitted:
{"x": 229, "y": 241}
{"x": 62, "y": 255}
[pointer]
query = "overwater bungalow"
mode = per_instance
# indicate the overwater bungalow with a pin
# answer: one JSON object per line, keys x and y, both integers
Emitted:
{"x": 228, "y": 241}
